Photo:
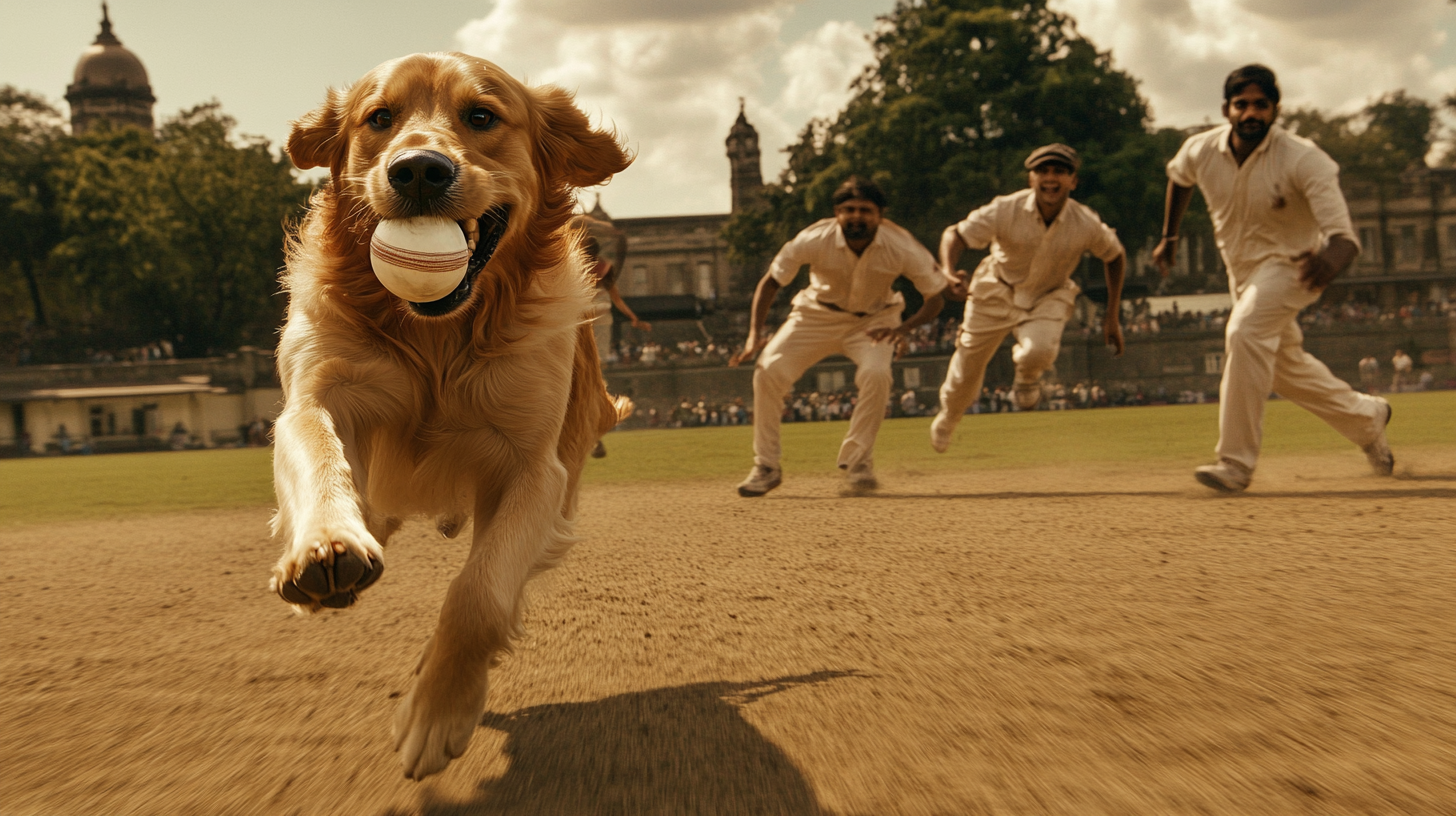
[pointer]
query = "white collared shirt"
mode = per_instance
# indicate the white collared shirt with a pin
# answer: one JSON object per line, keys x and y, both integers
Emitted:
{"x": 1031, "y": 256}
{"x": 856, "y": 283}
{"x": 1284, "y": 200}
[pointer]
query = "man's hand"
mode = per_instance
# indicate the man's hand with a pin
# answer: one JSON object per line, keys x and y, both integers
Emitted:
{"x": 894, "y": 335}
{"x": 1112, "y": 332}
{"x": 957, "y": 285}
{"x": 751, "y": 348}
{"x": 1165, "y": 254}
{"x": 1315, "y": 272}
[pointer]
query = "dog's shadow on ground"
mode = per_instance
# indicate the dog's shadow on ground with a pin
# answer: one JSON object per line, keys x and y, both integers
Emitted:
{"x": 681, "y": 750}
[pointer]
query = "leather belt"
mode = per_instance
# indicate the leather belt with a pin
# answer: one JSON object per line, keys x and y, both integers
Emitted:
{"x": 836, "y": 308}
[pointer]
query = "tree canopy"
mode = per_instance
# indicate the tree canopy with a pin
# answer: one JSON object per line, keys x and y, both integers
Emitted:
{"x": 1378, "y": 143}
{"x": 121, "y": 237}
{"x": 959, "y": 94}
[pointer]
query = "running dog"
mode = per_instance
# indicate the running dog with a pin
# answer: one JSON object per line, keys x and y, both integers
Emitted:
{"x": 483, "y": 403}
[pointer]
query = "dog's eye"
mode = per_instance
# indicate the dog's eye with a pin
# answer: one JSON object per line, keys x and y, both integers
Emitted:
{"x": 480, "y": 118}
{"x": 381, "y": 119}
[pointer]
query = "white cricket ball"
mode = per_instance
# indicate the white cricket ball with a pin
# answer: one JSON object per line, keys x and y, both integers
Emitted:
{"x": 419, "y": 259}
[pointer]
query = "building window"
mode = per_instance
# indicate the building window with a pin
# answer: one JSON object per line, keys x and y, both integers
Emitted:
{"x": 706, "y": 291}
{"x": 1369, "y": 247}
{"x": 1450, "y": 239}
{"x": 678, "y": 282}
{"x": 639, "y": 279}
{"x": 911, "y": 377}
{"x": 1409, "y": 252}
{"x": 830, "y": 381}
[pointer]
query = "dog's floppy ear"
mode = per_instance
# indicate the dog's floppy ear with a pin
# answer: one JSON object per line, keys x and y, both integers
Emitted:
{"x": 317, "y": 138}
{"x": 568, "y": 148}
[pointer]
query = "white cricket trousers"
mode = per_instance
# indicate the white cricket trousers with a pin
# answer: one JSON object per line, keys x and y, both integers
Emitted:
{"x": 988, "y": 320}
{"x": 601, "y": 312}
{"x": 1264, "y": 352}
{"x": 810, "y": 334}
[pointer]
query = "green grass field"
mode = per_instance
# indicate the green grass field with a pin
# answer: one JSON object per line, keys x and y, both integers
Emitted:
{"x": 87, "y": 487}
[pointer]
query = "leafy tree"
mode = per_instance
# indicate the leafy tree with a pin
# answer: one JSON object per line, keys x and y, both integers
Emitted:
{"x": 29, "y": 131}
{"x": 177, "y": 237}
{"x": 959, "y": 93}
{"x": 1387, "y": 137}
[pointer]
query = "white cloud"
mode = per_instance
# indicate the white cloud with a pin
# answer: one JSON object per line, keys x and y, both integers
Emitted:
{"x": 667, "y": 75}
{"x": 821, "y": 66}
{"x": 1333, "y": 54}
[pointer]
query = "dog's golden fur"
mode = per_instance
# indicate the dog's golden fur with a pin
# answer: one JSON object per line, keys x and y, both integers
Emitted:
{"x": 487, "y": 411}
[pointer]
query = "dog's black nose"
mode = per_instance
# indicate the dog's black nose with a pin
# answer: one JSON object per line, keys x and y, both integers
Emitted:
{"x": 421, "y": 175}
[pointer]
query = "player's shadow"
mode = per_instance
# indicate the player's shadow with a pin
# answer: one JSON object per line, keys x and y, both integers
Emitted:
{"x": 682, "y": 750}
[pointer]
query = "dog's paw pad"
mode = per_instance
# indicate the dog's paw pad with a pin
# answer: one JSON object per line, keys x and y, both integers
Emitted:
{"x": 336, "y": 585}
{"x": 315, "y": 580}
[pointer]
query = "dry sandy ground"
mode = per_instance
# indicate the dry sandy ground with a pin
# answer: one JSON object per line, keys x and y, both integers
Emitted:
{"x": 1016, "y": 642}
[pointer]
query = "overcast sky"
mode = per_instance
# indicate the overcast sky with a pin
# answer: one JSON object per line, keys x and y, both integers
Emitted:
{"x": 668, "y": 73}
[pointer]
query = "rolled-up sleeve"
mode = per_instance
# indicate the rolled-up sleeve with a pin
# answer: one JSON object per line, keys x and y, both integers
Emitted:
{"x": 919, "y": 266}
{"x": 791, "y": 257}
{"x": 1105, "y": 245}
{"x": 979, "y": 228}
{"x": 1183, "y": 167}
{"x": 1318, "y": 177}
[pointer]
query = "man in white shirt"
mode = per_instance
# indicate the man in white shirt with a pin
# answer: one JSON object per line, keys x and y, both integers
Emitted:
{"x": 1037, "y": 237}
{"x": 1284, "y": 231}
{"x": 848, "y": 308}
{"x": 1401, "y": 363}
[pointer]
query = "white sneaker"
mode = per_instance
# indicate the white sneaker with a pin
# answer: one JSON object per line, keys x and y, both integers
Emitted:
{"x": 760, "y": 480}
{"x": 861, "y": 477}
{"x": 1027, "y": 395}
{"x": 940, "y": 430}
{"x": 1227, "y": 476}
{"x": 1382, "y": 461}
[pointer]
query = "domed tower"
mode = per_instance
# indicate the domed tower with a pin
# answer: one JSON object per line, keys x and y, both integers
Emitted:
{"x": 747, "y": 175}
{"x": 110, "y": 85}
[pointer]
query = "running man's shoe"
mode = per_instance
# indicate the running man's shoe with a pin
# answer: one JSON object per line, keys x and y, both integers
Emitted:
{"x": 861, "y": 477}
{"x": 1027, "y": 395}
{"x": 940, "y": 430}
{"x": 1227, "y": 476}
{"x": 1382, "y": 461}
{"x": 760, "y": 480}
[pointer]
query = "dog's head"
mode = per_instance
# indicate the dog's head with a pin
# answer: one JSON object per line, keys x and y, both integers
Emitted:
{"x": 453, "y": 136}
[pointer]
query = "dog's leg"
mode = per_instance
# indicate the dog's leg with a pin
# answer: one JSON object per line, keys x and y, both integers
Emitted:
{"x": 329, "y": 554}
{"x": 481, "y": 614}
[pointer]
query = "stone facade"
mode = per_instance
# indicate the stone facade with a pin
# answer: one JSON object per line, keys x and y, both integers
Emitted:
{"x": 685, "y": 254}
{"x": 1408, "y": 232}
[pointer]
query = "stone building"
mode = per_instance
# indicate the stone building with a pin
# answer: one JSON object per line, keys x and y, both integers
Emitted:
{"x": 1408, "y": 232}
{"x": 110, "y": 85}
{"x": 676, "y": 259}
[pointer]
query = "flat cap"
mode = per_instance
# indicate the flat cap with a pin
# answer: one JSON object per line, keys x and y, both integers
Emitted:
{"x": 1057, "y": 152}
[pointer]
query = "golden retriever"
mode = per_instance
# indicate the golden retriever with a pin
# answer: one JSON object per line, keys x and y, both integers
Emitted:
{"x": 485, "y": 402}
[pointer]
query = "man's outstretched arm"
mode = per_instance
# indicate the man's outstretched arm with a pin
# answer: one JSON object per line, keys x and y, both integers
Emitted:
{"x": 1116, "y": 269}
{"x": 951, "y": 247}
{"x": 1175, "y": 204}
{"x": 763, "y": 298}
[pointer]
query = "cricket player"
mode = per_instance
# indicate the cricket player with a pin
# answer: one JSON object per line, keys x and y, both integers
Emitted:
{"x": 1284, "y": 231}
{"x": 848, "y": 308}
{"x": 1037, "y": 237}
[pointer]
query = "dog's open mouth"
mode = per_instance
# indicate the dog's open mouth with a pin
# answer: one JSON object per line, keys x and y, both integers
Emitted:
{"x": 491, "y": 226}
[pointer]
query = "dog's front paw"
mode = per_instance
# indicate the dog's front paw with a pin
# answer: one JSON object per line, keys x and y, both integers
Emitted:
{"x": 435, "y": 721}
{"x": 329, "y": 569}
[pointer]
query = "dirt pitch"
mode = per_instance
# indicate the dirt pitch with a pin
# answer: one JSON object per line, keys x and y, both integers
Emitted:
{"x": 1097, "y": 641}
